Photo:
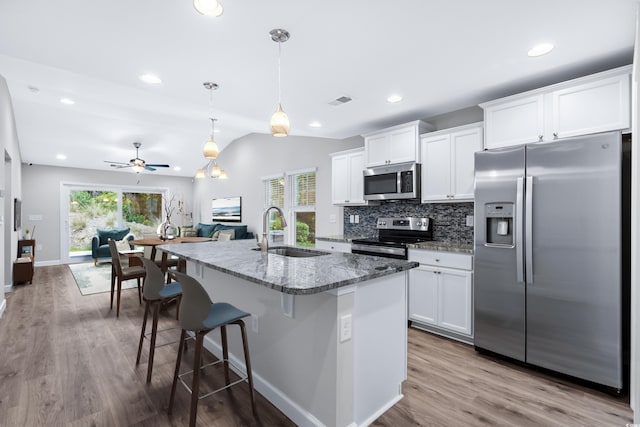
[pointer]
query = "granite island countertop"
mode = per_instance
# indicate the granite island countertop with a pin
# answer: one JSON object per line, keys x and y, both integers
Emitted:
{"x": 297, "y": 276}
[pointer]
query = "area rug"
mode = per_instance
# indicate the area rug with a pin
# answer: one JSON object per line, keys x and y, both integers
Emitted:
{"x": 95, "y": 279}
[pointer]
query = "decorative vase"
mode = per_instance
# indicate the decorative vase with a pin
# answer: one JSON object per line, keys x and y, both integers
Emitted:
{"x": 167, "y": 230}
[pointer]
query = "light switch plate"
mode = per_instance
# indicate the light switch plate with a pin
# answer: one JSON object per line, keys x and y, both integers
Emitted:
{"x": 352, "y": 219}
{"x": 357, "y": 219}
{"x": 469, "y": 220}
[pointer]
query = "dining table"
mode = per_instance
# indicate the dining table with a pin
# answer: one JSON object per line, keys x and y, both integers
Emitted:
{"x": 155, "y": 241}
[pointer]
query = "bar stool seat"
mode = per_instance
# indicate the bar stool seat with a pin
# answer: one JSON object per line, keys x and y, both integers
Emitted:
{"x": 155, "y": 293}
{"x": 200, "y": 315}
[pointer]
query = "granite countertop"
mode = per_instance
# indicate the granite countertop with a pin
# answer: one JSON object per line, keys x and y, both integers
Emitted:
{"x": 466, "y": 248}
{"x": 298, "y": 276}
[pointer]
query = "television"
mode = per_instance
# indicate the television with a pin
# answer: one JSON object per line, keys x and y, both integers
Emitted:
{"x": 227, "y": 209}
{"x": 17, "y": 214}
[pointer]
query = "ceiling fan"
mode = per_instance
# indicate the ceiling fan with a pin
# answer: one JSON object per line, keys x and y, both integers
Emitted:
{"x": 137, "y": 163}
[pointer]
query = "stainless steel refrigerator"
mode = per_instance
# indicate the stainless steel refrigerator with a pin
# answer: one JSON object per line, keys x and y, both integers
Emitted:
{"x": 547, "y": 255}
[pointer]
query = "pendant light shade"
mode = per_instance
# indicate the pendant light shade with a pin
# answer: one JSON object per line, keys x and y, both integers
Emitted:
{"x": 215, "y": 171}
{"x": 208, "y": 7}
{"x": 279, "y": 123}
{"x": 279, "y": 120}
{"x": 210, "y": 150}
{"x": 223, "y": 175}
{"x": 200, "y": 174}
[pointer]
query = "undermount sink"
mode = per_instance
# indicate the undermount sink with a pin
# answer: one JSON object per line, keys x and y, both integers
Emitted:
{"x": 293, "y": 252}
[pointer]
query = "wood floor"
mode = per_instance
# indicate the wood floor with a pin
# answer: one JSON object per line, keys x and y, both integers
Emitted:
{"x": 66, "y": 361}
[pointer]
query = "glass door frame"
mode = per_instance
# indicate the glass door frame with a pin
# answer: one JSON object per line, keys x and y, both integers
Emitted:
{"x": 65, "y": 192}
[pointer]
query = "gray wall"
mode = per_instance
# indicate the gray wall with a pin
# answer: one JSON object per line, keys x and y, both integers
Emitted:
{"x": 11, "y": 187}
{"x": 41, "y": 190}
{"x": 254, "y": 156}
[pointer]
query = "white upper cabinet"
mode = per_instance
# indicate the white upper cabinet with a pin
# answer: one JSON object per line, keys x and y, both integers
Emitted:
{"x": 347, "y": 180}
{"x": 447, "y": 159}
{"x": 394, "y": 145}
{"x": 596, "y": 103}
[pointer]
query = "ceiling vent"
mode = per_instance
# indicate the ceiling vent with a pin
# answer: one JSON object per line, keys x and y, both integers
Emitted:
{"x": 340, "y": 101}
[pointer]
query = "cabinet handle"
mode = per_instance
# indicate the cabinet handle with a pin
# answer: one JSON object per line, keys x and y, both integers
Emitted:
{"x": 555, "y": 135}
{"x": 540, "y": 138}
{"x": 437, "y": 260}
{"x": 346, "y": 201}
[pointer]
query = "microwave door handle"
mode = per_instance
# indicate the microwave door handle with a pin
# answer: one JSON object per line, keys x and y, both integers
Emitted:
{"x": 519, "y": 220}
{"x": 399, "y": 182}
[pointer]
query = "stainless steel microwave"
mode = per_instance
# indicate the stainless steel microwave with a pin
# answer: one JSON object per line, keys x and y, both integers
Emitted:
{"x": 392, "y": 182}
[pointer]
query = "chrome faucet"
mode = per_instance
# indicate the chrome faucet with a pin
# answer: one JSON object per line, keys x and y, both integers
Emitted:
{"x": 265, "y": 244}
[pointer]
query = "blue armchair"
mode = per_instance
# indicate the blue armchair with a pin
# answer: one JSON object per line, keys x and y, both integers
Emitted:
{"x": 100, "y": 242}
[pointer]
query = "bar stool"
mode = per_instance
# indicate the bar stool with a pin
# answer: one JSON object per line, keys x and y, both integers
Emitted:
{"x": 154, "y": 294}
{"x": 200, "y": 315}
{"x": 121, "y": 274}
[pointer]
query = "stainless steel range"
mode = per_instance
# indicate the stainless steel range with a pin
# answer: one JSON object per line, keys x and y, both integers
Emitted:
{"x": 394, "y": 234}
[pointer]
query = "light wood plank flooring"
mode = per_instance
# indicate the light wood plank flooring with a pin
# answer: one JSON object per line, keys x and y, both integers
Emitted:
{"x": 66, "y": 361}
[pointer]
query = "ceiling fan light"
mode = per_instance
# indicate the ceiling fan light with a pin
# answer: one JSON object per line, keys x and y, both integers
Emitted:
{"x": 208, "y": 7}
{"x": 211, "y": 149}
{"x": 215, "y": 171}
{"x": 279, "y": 123}
{"x": 200, "y": 174}
{"x": 138, "y": 168}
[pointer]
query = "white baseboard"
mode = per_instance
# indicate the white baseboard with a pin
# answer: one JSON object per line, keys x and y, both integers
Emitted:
{"x": 46, "y": 263}
{"x": 8, "y": 288}
{"x": 3, "y": 305}
{"x": 291, "y": 409}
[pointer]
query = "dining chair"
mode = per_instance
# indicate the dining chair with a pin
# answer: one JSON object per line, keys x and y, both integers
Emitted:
{"x": 120, "y": 274}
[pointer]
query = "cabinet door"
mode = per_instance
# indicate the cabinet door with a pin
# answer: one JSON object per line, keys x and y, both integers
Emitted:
{"x": 592, "y": 107}
{"x": 423, "y": 295}
{"x": 435, "y": 153}
{"x": 403, "y": 145}
{"x": 340, "y": 179}
{"x": 377, "y": 149}
{"x": 356, "y": 178}
{"x": 455, "y": 299}
{"x": 514, "y": 122}
{"x": 464, "y": 145}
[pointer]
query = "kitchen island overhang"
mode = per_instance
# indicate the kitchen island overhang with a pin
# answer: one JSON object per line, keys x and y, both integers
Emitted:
{"x": 328, "y": 334}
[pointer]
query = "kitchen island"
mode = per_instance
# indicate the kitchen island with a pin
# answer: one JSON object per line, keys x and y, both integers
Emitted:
{"x": 328, "y": 333}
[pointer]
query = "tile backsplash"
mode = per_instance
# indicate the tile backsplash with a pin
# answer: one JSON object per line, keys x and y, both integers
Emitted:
{"x": 449, "y": 219}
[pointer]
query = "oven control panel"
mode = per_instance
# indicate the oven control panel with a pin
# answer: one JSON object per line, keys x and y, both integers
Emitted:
{"x": 407, "y": 223}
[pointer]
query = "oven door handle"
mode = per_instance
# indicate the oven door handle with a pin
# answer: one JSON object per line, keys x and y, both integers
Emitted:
{"x": 385, "y": 250}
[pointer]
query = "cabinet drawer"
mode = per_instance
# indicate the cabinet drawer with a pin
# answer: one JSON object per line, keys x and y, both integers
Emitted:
{"x": 442, "y": 259}
{"x": 333, "y": 246}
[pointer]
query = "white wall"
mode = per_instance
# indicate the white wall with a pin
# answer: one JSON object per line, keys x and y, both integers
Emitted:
{"x": 254, "y": 156}
{"x": 11, "y": 187}
{"x": 41, "y": 196}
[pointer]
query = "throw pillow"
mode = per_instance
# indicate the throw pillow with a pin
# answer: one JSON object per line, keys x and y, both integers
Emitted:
{"x": 205, "y": 230}
{"x": 104, "y": 234}
{"x": 122, "y": 245}
{"x": 224, "y": 235}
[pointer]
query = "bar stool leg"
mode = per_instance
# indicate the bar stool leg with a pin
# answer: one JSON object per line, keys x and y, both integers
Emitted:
{"x": 225, "y": 353}
{"x": 113, "y": 285}
{"x": 144, "y": 327}
{"x": 183, "y": 335}
{"x": 118, "y": 298}
{"x": 247, "y": 362}
{"x": 154, "y": 331}
{"x": 139, "y": 291}
{"x": 195, "y": 386}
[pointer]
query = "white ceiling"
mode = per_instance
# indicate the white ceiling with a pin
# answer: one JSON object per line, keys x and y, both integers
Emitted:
{"x": 440, "y": 55}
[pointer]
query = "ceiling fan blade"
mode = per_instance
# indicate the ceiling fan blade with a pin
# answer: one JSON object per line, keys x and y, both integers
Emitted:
{"x": 158, "y": 165}
{"x": 149, "y": 168}
{"x": 116, "y": 163}
{"x": 120, "y": 166}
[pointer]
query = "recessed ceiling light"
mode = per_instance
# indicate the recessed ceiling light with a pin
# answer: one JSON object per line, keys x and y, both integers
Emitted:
{"x": 394, "y": 98}
{"x": 540, "y": 49}
{"x": 315, "y": 124}
{"x": 208, "y": 7}
{"x": 177, "y": 168}
{"x": 151, "y": 79}
{"x": 67, "y": 101}
{"x": 61, "y": 157}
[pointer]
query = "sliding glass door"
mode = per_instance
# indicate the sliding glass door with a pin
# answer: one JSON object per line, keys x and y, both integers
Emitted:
{"x": 85, "y": 209}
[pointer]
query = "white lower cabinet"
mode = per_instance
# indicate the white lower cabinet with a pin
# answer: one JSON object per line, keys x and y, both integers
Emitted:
{"x": 441, "y": 297}
{"x": 332, "y": 245}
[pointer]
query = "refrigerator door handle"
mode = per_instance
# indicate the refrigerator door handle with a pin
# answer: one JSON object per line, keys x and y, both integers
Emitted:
{"x": 519, "y": 229}
{"x": 529, "y": 229}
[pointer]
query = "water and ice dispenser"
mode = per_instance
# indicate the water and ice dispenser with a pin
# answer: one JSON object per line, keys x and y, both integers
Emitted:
{"x": 499, "y": 231}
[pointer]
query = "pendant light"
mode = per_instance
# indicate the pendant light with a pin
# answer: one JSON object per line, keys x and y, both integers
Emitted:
{"x": 208, "y": 7}
{"x": 200, "y": 174}
{"x": 210, "y": 150}
{"x": 279, "y": 120}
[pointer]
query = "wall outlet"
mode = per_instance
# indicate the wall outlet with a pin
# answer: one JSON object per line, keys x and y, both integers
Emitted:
{"x": 254, "y": 324}
{"x": 346, "y": 327}
{"x": 357, "y": 219}
{"x": 352, "y": 219}
{"x": 469, "y": 220}
{"x": 38, "y": 247}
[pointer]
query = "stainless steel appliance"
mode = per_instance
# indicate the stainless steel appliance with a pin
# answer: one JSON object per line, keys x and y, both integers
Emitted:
{"x": 547, "y": 260}
{"x": 393, "y": 236}
{"x": 392, "y": 182}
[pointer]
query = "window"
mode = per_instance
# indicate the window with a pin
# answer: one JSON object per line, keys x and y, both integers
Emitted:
{"x": 299, "y": 204}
